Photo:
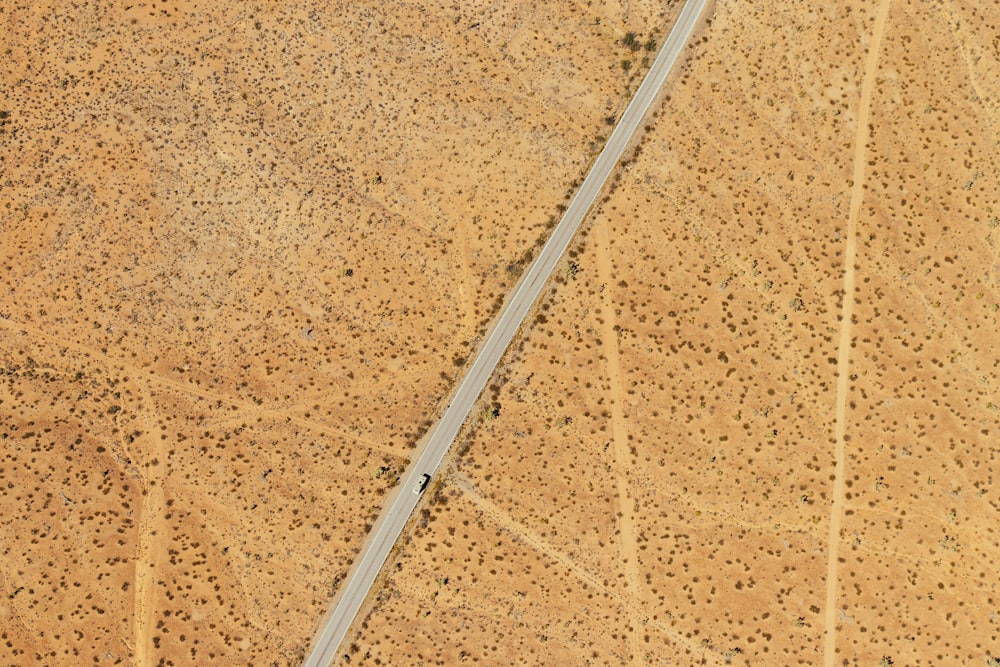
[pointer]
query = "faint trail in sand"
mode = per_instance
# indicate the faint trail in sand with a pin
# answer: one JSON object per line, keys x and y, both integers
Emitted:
{"x": 142, "y": 603}
{"x": 503, "y": 518}
{"x": 151, "y": 508}
{"x": 970, "y": 65}
{"x": 193, "y": 390}
{"x": 861, "y": 139}
{"x": 627, "y": 549}
{"x": 466, "y": 282}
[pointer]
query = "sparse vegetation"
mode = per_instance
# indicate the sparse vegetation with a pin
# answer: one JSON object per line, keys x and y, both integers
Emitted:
{"x": 229, "y": 283}
{"x": 694, "y": 354}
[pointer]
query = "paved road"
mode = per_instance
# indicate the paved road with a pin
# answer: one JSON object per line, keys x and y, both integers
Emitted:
{"x": 402, "y": 502}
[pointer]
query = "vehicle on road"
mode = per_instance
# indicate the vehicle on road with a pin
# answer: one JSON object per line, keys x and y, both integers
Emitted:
{"x": 386, "y": 530}
{"x": 421, "y": 483}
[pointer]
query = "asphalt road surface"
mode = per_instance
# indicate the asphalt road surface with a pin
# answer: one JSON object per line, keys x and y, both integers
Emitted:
{"x": 403, "y": 500}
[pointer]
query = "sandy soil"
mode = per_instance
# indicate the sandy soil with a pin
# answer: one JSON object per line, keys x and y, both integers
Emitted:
{"x": 917, "y": 580}
{"x": 246, "y": 250}
{"x": 764, "y": 385}
{"x": 858, "y": 183}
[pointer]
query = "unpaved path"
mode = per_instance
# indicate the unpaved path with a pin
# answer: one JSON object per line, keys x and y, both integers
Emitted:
{"x": 502, "y": 518}
{"x": 151, "y": 508}
{"x": 635, "y": 608}
{"x": 465, "y": 281}
{"x": 150, "y": 524}
{"x": 143, "y": 584}
{"x": 861, "y": 139}
{"x": 246, "y": 408}
{"x": 628, "y": 552}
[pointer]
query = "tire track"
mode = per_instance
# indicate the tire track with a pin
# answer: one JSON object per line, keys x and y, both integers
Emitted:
{"x": 502, "y": 518}
{"x": 846, "y": 319}
{"x": 970, "y": 62}
{"x": 151, "y": 508}
{"x": 149, "y": 375}
{"x": 628, "y": 551}
{"x": 465, "y": 281}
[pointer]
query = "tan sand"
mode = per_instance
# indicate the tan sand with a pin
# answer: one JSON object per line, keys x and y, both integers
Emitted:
{"x": 245, "y": 251}
{"x": 790, "y": 478}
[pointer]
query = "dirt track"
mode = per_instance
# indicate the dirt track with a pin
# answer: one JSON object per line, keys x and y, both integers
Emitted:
{"x": 628, "y": 551}
{"x": 861, "y": 140}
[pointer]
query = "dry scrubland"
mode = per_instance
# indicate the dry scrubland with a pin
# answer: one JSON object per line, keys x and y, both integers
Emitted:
{"x": 245, "y": 250}
{"x": 660, "y": 482}
{"x": 140, "y": 518}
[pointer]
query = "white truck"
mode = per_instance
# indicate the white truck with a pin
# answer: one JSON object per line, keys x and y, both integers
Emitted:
{"x": 421, "y": 483}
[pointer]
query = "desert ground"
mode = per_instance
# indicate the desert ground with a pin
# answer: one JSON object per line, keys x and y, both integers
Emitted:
{"x": 246, "y": 251}
{"x": 755, "y": 418}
